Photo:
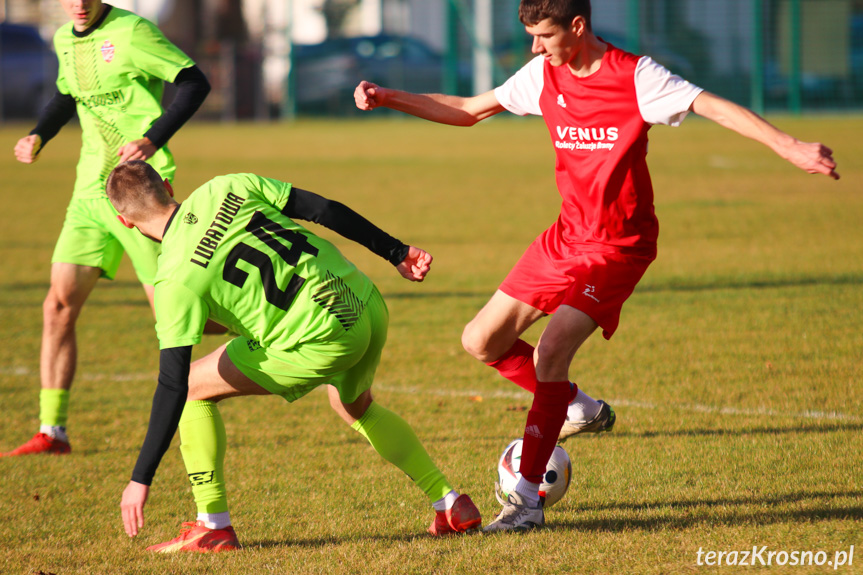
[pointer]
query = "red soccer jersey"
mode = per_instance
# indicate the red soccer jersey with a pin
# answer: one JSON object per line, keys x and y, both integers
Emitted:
{"x": 598, "y": 125}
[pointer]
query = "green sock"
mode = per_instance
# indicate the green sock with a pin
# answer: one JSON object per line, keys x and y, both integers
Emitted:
{"x": 54, "y": 407}
{"x": 395, "y": 441}
{"x": 202, "y": 444}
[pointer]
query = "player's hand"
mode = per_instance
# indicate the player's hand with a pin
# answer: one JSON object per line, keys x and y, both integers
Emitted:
{"x": 27, "y": 148}
{"x": 416, "y": 265}
{"x": 368, "y": 96}
{"x": 815, "y": 158}
{"x": 132, "y": 506}
{"x": 142, "y": 149}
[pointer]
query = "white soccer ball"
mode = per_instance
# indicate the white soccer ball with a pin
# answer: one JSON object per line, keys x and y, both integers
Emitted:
{"x": 555, "y": 482}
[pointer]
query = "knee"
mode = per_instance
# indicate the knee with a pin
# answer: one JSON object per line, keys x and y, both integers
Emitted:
{"x": 475, "y": 343}
{"x": 552, "y": 360}
{"x": 59, "y": 310}
{"x": 350, "y": 412}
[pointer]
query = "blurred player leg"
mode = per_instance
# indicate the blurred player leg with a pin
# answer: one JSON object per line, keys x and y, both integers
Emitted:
{"x": 70, "y": 287}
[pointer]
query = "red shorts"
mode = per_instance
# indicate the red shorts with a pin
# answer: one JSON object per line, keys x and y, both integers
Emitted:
{"x": 592, "y": 282}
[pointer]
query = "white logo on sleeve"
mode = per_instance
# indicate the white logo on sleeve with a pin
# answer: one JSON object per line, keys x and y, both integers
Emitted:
{"x": 589, "y": 291}
{"x": 560, "y": 101}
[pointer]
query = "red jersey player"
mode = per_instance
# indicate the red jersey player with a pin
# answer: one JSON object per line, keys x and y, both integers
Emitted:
{"x": 598, "y": 103}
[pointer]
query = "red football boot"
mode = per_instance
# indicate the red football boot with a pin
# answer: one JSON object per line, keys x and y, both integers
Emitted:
{"x": 41, "y": 443}
{"x": 461, "y": 517}
{"x": 196, "y": 537}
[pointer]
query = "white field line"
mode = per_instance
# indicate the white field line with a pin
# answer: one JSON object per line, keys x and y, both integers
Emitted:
{"x": 141, "y": 376}
{"x": 510, "y": 394}
{"x": 691, "y": 407}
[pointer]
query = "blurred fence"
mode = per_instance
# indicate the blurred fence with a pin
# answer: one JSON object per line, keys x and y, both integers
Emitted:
{"x": 790, "y": 55}
{"x": 770, "y": 55}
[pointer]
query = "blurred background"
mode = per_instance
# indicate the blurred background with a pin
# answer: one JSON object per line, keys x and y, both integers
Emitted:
{"x": 273, "y": 59}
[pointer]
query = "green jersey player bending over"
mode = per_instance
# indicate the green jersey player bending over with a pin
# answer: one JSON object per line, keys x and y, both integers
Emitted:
{"x": 306, "y": 316}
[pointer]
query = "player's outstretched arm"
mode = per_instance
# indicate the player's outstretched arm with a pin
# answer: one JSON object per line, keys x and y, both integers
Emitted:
{"x": 306, "y": 205}
{"x": 416, "y": 264}
{"x": 132, "y": 506}
{"x": 27, "y": 148}
{"x": 813, "y": 157}
{"x": 440, "y": 108}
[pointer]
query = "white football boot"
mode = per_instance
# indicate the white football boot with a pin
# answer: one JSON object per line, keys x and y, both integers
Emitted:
{"x": 604, "y": 421}
{"x": 515, "y": 515}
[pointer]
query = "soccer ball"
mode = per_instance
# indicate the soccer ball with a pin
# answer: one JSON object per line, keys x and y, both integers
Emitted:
{"x": 555, "y": 482}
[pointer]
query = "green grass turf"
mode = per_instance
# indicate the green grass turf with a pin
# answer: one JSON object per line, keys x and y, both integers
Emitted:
{"x": 735, "y": 373}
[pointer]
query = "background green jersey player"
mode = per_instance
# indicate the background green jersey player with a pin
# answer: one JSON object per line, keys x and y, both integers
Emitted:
{"x": 112, "y": 68}
{"x": 305, "y": 316}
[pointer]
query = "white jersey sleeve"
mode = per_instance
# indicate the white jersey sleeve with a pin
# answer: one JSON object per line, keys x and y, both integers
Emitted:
{"x": 663, "y": 97}
{"x": 520, "y": 94}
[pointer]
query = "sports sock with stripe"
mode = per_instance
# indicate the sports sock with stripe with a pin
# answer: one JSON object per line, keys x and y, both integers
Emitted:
{"x": 516, "y": 365}
{"x": 544, "y": 421}
{"x": 202, "y": 444}
{"x": 53, "y": 407}
{"x": 395, "y": 441}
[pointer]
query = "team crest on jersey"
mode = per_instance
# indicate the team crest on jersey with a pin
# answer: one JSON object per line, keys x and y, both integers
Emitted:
{"x": 560, "y": 101}
{"x": 190, "y": 218}
{"x": 107, "y": 50}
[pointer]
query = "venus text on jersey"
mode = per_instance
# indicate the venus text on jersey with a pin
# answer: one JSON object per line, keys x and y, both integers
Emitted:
{"x": 214, "y": 234}
{"x": 591, "y": 139}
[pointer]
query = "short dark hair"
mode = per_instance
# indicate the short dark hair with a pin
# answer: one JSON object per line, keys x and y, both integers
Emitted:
{"x": 134, "y": 186}
{"x": 561, "y": 12}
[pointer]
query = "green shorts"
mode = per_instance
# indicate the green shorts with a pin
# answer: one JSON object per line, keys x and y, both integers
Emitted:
{"x": 348, "y": 363}
{"x": 92, "y": 236}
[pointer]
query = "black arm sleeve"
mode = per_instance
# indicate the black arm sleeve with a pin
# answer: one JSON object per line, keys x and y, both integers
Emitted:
{"x": 344, "y": 221}
{"x": 192, "y": 90}
{"x": 56, "y": 114}
{"x": 168, "y": 403}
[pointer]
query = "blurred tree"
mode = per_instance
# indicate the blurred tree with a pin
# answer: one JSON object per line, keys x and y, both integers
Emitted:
{"x": 181, "y": 22}
{"x": 230, "y": 23}
{"x": 335, "y": 12}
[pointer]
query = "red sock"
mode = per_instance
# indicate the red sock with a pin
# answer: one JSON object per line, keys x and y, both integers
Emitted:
{"x": 544, "y": 420}
{"x": 517, "y": 365}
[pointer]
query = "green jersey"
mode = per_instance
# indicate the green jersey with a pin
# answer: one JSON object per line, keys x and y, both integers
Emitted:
{"x": 230, "y": 254}
{"x": 116, "y": 73}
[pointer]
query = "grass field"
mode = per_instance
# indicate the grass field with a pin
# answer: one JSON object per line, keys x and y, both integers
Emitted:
{"x": 736, "y": 373}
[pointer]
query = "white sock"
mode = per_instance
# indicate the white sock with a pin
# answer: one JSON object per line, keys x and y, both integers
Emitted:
{"x": 529, "y": 492}
{"x": 55, "y": 431}
{"x": 583, "y": 408}
{"x": 215, "y": 520}
{"x": 446, "y": 501}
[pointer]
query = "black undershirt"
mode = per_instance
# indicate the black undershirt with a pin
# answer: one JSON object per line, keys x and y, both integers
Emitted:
{"x": 344, "y": 221}
{"x": 168, "y": 403}
{"x": 192, "y": 89}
